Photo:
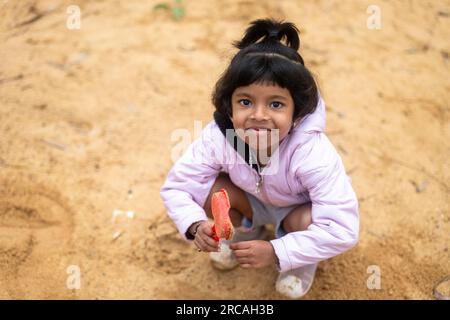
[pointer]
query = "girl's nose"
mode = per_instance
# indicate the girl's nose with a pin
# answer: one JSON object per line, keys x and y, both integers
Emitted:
{"x": 259, "y": 113}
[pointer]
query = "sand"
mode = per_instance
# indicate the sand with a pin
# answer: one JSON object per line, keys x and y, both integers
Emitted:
{"x": 86, "y": 117}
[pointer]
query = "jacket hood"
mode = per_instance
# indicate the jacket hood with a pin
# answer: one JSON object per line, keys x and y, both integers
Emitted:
{"x": 315, "y": 121}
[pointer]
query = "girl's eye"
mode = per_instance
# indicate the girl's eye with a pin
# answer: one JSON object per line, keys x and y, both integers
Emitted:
{"x": 276, "y": 105}
{"x": 245, "y": 102}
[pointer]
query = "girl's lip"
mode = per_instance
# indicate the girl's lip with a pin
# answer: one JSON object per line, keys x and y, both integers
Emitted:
{"x": 257, "y": 129}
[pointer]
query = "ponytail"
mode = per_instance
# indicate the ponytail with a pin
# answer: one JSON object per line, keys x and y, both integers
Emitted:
{"x": 270, "y": 31}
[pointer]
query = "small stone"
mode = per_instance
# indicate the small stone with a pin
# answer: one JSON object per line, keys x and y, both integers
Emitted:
{"x": 419, "y": 187}
{"x": 116, "y": 235}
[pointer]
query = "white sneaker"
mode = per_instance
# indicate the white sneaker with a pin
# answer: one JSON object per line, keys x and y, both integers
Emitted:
{"x": 225, "y": 258}
{"x": 296, "y": 283}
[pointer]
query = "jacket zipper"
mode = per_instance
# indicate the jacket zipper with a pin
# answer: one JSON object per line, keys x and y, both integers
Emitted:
{"x": 259, "y": 181}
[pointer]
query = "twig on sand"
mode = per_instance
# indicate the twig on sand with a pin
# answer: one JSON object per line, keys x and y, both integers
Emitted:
{"x": 349, "y": 172}
{"x": 342, "y": 149}
{"x": 18, "y": 77}
{"x": 54, "y": 144}
{"x": 37, "y": 15}
{"x": 78, "y": 59}
{"x": 376, "y": 235}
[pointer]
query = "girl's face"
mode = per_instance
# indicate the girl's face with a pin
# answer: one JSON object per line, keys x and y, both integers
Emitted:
{"x": 259, "y": 112}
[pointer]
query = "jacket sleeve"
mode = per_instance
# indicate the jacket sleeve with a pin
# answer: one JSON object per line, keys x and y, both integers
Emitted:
{"x": 335, "y": 218}
{"x": 188, "y": 183}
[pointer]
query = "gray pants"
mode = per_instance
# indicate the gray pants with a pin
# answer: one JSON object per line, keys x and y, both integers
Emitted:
{"x": 267, "y": 214}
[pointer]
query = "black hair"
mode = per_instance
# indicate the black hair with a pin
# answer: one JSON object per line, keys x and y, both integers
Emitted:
{"x": 268, "y": 61}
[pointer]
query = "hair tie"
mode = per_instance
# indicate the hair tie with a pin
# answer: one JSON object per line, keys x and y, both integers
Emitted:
{"x": 273, "y": 34}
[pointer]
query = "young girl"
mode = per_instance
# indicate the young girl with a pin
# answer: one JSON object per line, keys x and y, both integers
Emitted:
{"x": 300, "y": 186}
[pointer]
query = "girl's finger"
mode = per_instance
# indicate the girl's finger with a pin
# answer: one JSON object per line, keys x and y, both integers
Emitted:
{"x": 197, "y": 244}
{"x": 245, "y": 258}
{"x": 206, "y": 228}
{"x": 208, "y": 239}
{"x": 211, "y": 242}
{"x": 209, "y": 232}
{"x": 246, "y": 266}
{"x": 241, "y": 253}
{"x": 200, "y": 243}
{"x": 244, "y": 261}
{"x": 204, "y": 245}
{"x": 241, "y": 245}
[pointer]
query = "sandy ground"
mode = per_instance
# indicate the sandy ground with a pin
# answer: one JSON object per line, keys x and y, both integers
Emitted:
{"x": 86, "y": 118}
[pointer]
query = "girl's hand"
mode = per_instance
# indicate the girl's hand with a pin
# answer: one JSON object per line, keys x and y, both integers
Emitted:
{"x": 254, "y": 254}
{"x": 204, "y": 238}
